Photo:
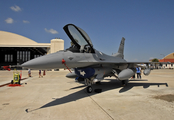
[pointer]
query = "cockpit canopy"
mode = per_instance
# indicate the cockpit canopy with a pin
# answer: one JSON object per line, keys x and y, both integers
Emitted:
{"x": 80, "y": 41}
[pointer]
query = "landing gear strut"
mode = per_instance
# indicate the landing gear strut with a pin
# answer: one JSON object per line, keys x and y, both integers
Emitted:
{"x": 88, "y": 83}
{"x": 124, "y": 82}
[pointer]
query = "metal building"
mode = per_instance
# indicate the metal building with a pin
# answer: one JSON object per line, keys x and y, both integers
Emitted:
{"x": 16, "y": 49}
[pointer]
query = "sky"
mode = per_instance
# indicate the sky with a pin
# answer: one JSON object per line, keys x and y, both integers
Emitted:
{"x": 147, "y": 25}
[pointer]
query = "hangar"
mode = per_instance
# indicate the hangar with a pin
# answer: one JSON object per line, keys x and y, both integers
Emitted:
{"x": 168, "y": 58}
{"x": 16, "y": 49}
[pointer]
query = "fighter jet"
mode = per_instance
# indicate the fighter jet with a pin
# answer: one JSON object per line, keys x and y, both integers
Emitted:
{"x": 88, "y": 64}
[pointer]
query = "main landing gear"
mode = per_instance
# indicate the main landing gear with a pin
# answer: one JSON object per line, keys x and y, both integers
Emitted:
{"x": 124, "y": 82}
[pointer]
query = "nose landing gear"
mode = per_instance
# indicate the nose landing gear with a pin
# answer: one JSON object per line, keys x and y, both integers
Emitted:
{"x": 88, "y": 83}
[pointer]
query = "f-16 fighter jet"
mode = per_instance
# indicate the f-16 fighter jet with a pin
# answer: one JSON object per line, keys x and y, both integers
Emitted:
{"x": 87, "y": 63}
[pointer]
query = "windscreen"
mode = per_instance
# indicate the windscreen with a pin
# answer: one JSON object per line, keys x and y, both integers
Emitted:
{"x": 77, "y": 36}
{"x": 86, "y": 36}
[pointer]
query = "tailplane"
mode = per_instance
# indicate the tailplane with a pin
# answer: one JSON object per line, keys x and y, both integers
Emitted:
{"x": 120, "y": 52}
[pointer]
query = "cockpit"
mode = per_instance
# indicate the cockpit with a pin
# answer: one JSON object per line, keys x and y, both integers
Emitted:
{"x": 80, "y": 41}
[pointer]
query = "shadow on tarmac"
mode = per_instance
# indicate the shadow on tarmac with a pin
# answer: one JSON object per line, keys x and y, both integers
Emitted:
{"x": 105, "y": 86}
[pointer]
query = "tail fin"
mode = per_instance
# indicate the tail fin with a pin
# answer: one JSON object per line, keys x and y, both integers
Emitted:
{"x": 120, "y": 52}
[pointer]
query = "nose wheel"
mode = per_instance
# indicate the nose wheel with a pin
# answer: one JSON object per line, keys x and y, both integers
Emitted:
{"x": 89, "y": 89}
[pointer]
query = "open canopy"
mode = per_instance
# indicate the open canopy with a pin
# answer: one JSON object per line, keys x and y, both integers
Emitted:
{"x": 79, "y": 38}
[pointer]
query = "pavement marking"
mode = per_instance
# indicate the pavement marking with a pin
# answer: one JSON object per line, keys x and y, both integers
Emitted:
{"x": 101, "y": 107}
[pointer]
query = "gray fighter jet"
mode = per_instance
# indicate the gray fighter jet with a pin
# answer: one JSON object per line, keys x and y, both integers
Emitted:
{"x": 88, "y": 64}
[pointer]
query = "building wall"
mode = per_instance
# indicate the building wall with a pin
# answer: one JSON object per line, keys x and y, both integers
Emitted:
{"x": 56, "y": 45}
{"x": 168, "y": 58}
{"x": 16, "y": 49}
{"x": 169, "y": 66}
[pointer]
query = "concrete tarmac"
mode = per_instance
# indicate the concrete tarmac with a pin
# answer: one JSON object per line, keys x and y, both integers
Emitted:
{"x": 55, "y": 97}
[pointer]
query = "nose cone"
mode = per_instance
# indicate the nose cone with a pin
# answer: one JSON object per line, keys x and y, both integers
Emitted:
{"x": 49, "y": 61}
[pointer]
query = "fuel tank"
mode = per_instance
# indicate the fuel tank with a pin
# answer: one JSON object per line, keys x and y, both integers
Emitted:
{"x": 71, "y": 75}
{"x": 146, "y": 71}
{"x": 126, "y": 73}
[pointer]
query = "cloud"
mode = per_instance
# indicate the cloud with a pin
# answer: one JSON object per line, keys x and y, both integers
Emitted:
{"x": 52, "y": 31}
{"x": 25, "y": 21}
{"x": 15, "y": 8}
{"x": 9, "y": 20}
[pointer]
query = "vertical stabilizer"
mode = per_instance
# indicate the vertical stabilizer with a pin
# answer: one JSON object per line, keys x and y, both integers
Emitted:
{"x": 120, "y": 52}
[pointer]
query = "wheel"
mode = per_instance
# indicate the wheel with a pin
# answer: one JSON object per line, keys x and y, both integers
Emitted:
{"x": 89, "y": 89}
{"x": 124, "y": 82}
{"x": 19, "y": 82}
{"x": 11, "y": 81}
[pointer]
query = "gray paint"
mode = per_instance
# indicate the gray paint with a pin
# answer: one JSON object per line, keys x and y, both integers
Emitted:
{"x": 97, "y": 59}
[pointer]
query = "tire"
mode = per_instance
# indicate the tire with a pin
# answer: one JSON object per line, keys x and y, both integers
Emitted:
{"x": 124, "y": 82}
{"x": 11, "y": 81}
{"x": 89, "y": 89}
{"x": 19, "y": 82}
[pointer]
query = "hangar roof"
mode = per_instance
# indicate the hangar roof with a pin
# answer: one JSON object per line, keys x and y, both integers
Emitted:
{"x": 168, "y": 58}
{"x": 8, "y": 39}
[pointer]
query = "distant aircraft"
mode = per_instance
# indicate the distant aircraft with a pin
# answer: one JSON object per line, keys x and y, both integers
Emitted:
{"x": 87, "y": 63}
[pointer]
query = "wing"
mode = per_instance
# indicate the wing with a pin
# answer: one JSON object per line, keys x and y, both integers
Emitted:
{"x": 116, "y": 64}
